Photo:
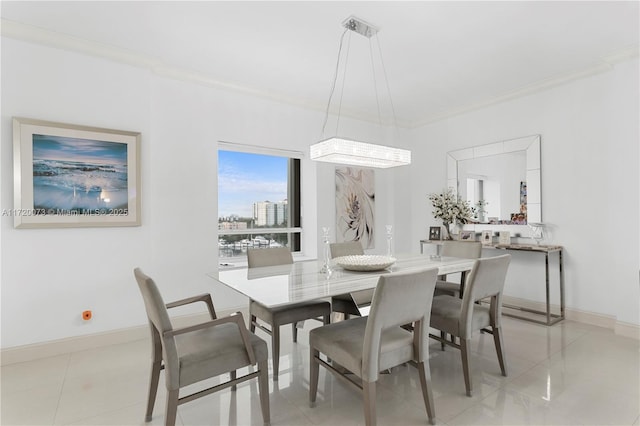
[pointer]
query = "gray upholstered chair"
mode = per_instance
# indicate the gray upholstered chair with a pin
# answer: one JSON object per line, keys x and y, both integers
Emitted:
{"x": 348, "y": 304}
{"x": 462, "y": 317}
{"x": 466, "y": 249}
{"x": 281, "y": 315}
{"x": 195, "y": 353}
{"x": 365, "y": 346}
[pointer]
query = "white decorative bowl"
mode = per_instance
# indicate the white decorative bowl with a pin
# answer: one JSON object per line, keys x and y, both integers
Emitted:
{"x": 365, "y": 262}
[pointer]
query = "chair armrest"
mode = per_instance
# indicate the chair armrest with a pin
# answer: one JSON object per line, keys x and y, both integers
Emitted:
{"x": 206, "y": 298}
{"x": 236, "y": 318}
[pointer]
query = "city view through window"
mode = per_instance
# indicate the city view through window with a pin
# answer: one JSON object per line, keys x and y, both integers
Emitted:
{"x": 254, "y": 192}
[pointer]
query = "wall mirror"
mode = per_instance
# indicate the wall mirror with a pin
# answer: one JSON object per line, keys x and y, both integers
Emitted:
{"x": 501, "y": 180}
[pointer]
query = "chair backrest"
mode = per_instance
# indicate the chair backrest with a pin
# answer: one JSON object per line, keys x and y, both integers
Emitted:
{"x": 466, "y": 249}
{"x": 159, "y": 323}
{"x": 486, "y": 280}
{"x": 153, "y": 302}
{"x": 269, "y": 256}
{"x": 346, "y": 249}
{"x": 399, "y": 299}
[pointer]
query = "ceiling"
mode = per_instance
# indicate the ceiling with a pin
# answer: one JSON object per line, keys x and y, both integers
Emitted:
{"x": 441, "y": 58}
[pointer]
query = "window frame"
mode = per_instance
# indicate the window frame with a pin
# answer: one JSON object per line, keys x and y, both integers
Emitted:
{"x": 294, "y": 194}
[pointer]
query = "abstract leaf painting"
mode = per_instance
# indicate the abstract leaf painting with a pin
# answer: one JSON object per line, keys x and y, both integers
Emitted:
{"x": 355, "y": 205}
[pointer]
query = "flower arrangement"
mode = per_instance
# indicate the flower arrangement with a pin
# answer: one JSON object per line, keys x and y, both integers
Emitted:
{"x": 451, "y": 208}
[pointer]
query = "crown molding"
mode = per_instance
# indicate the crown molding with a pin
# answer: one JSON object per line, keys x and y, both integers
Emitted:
{"x": 606, "y": 64}
{"x": 57, "y": 40}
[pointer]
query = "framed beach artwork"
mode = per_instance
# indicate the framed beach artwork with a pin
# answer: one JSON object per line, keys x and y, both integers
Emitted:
{"x": 67, "y": 175}
{"x": 355, "y": 205}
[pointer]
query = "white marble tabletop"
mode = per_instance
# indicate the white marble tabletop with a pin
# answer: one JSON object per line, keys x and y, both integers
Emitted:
{"x": 281, "y": 285}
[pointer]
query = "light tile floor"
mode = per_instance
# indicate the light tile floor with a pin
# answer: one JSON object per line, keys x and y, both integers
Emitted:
{"x": 567, "y": 374}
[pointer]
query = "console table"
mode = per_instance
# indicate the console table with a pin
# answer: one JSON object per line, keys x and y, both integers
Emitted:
{"x": 549, "y": 317}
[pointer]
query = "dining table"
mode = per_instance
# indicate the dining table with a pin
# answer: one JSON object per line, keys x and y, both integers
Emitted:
{"x": 302, "y": 281}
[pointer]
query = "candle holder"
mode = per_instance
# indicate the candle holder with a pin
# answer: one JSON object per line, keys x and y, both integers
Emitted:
{"x": 389, "y": 238}
{"x": 326, "y": 265}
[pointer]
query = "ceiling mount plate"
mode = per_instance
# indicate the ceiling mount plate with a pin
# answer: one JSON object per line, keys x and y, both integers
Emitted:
{"x": 360, "y": 26}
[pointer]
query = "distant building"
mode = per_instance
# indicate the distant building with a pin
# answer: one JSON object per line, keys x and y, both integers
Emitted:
{"x": 227, "y": 226}
{"x": 268, "y": 213}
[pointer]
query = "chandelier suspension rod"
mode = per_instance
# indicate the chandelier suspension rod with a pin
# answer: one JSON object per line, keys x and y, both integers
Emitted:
{"x": 344, "y": 83}
{"x": 333, "y": 85}
{"x": 386, "y": 80}
{"x": 375, "y": 82}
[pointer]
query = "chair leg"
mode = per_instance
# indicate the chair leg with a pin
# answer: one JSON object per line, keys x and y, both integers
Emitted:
{"x": 275, "y": 349}
{"x": 326, "y": 319}
{"x": 497, "y": 339}
{"x": 263, "y": 384}
{"x": 369, "y": 391}
{"x": 443, "y": 336}
{"x": 153, "y": 388}
{"x": 233, "y": 375}
{"x": 294, "y": 330}
{"x": 314, "y": 370}
{"x": 252, "y": 324}
{"x": 427, "y": 394}
{"x": 172, "y": 408}
{"x": 464, "y": 351}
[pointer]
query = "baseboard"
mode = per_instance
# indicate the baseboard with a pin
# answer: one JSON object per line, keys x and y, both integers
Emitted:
{"x": 628, "y": 330}
{"x": 591, "y": 318}
{"x": 91, "y": 341}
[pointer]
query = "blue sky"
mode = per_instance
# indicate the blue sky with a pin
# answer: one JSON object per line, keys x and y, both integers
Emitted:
{"x": 245, "y": 178}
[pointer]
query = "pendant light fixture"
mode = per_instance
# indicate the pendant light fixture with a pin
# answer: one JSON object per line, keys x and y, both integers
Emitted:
{"x": 348, "y": 151}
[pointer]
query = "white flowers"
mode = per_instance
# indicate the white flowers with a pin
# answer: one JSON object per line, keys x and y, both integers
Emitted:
{"x": 451, "y": 208}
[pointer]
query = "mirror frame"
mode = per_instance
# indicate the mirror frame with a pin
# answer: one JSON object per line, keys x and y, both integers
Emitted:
{"x": 530, "y": 144}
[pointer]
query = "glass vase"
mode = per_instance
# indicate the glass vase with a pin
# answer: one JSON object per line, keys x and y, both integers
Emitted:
{"x": 389, "y": 238}
{"x": 326, "y": 264}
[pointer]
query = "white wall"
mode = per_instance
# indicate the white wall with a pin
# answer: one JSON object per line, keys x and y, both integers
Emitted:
{"x": 49, "y": 276}
{"x": 590, "y": 182}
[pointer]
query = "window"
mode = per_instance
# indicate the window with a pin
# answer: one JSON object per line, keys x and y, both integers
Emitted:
{"x": 258, "y": 199}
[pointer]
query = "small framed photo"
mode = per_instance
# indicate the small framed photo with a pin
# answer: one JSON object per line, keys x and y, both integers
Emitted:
{"x": 434, "y": 233}
{"x": 66, "y": 175}
{"x": 487, "y": 238}
{"x": 505, "y": 238}
{"x": 467, "y": 235}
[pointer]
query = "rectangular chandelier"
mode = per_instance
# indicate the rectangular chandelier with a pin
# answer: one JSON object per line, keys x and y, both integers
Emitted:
{"x": 347, "y": 151}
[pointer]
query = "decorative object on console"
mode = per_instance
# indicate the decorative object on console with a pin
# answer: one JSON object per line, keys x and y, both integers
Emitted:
{"x": 347, "y": 151}
{"x": 450, "y": 209}
{"x": 537, "y": 232}
{"x": 487, "y": 238}
{"x": 67, "y": 175}
{"x": 467, "y": 235}
{"x": 434, "y": 233}
{"x": 504, "y": 238}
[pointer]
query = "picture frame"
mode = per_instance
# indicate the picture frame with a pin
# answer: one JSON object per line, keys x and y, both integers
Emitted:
{"x": 68, "y": 175}
{"x": 487, "y": 237}
{"x": 504, "y": 238}
{"x": 466, "y": 235}
{"x": 434, "y": 233}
